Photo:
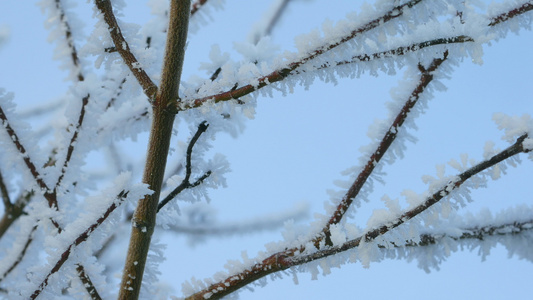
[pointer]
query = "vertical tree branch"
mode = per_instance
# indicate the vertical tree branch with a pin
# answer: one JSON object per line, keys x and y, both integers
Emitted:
{"x": 143, "y": 221}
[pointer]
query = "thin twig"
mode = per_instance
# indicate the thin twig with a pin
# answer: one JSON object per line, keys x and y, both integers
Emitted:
{"x": 512, "y": 13}
{"x": 72, "y": 142}
{"x": 5, "y": 194}
{"x": 149, "y": 88}
{"x": 87, "y": 283}
{"x": 21, "y": 254}
{"x": 478, "y": 233}
{"x": 68, "y": 38}
{"x": 48, "y": 194}
{"x": 188, "y": 169}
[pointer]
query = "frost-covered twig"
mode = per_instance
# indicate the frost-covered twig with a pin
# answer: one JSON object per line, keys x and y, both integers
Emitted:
{"x": 80, "y": 239}
{"x": 48, "y": 194}
{"x": 387, "y": 140}
{"x": 5, "y": 194}
{"x": 87, "y": 283}
{"x": 478, "y": 233}
{"x": 149, "y": 88}
{"x": 281, "y": 74}
{"x": 14, "y": 212}
{"x": 289, "y": 258}
{"x": 72, "y": 142}
{"x": 512, "y": 13}
{"x": 403, "y": 50}
{"x": 68, "y": 39}
{"x": 185, "y": 184}
{"x": 21, "y": 254}
{"x": 117, "y": 94}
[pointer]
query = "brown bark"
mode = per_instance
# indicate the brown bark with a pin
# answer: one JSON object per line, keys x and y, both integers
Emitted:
{"x": 144, "y": 218}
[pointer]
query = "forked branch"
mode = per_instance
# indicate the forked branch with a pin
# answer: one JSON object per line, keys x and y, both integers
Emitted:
{"x": 185, "y": 184}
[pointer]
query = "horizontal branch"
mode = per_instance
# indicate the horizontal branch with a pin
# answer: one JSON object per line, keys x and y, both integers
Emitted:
{"x": 149, "y": 88}
{"x": 478, "y": 233}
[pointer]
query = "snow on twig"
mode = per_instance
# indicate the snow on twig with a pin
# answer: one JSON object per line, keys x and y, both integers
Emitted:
{"x": 121, "y": 45}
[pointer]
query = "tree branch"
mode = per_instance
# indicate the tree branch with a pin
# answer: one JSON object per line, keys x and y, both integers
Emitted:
{"x": 144, "y": 218}
{"x": 87, "y": 283}
{"x": 149, "y": 88}
{"x": 72, "y": 142}
{"x": 289, "y": 258}
{"x": 48, "y": 194}
{"x": 188, "y": 169}
{"x": 5, "y": 195}
{"x": 68, "y": 39}
{"x": 21, "y": 254}
{"x": 511, "y": 13}
{"x": 80, "y": 239}
{"x": 281, "y": 74}
{"x": 386, "y": 142}
{"x": 478, "y": 233}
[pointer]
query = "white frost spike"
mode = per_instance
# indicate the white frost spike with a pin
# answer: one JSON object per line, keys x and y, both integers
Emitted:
{"x": 514, "y": 126}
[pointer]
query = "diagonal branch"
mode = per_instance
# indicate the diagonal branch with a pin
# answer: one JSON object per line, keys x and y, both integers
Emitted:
{"x": 281, "y": 74}
{"x": 68, "y": 39}
{"x": 21, "y": 254}
{"x": 5, "y": 194}
{"x": 185, "y": 184}
{"x": 72, "y": 142}
{"x": 289, "y": 258}
{"x": 386, "y": 142}
{"x": 80, "y": 239}
{"x": 48, "y": 194}
{"x": 149, "y": 88}
{"x": 511, "y": 13}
